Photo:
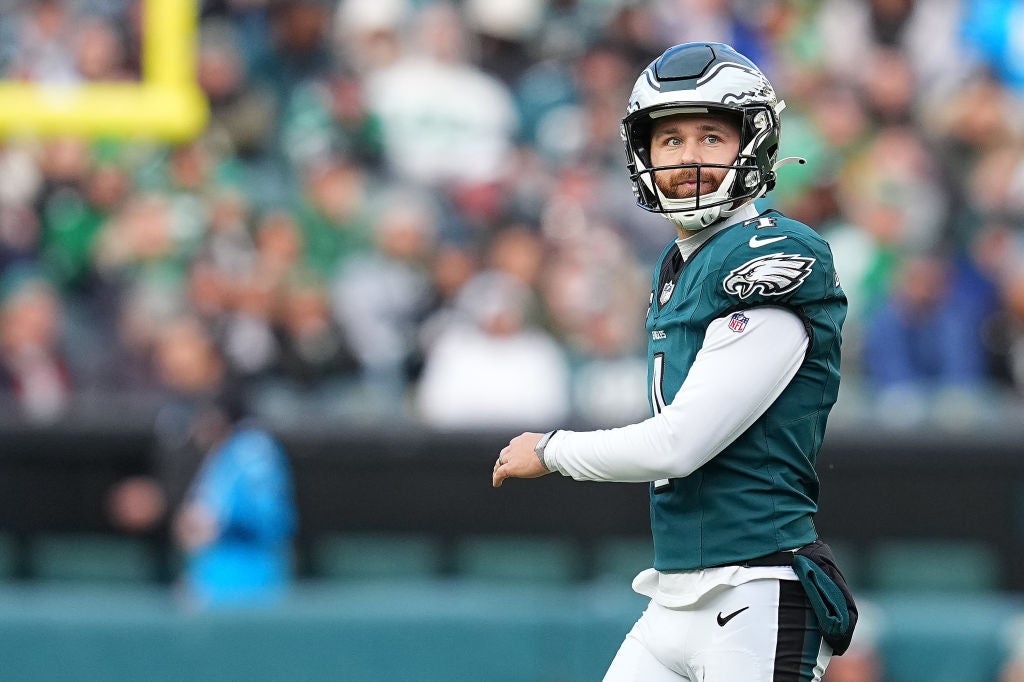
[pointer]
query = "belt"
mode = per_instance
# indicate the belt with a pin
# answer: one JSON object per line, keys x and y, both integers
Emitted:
{"x": 773, "y": 559}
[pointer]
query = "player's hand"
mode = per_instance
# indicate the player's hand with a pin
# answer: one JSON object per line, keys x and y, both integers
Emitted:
{"x": 518, "y": 460}
{"x": 195, "y": 527}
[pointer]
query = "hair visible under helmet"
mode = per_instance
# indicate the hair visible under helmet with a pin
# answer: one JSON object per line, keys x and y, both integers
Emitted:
{"x": 704, "y": 78}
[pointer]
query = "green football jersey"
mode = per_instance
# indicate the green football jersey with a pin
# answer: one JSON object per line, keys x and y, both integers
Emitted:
{"x": 759, "y": 494}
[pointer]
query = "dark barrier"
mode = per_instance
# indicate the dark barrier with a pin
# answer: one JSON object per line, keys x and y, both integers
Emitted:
{"x": 877, "y": 489}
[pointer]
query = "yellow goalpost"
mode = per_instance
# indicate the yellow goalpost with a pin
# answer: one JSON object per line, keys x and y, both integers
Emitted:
{"x": 166, "y": 104}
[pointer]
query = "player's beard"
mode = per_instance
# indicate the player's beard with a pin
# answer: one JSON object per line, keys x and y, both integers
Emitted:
{"x": 680, "y": 183}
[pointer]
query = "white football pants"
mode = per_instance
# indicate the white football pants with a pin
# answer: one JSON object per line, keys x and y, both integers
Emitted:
{"x": 759, "y": 631}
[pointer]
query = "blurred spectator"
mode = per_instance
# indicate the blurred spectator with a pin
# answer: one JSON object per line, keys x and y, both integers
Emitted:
{"x": 632, "y": 30}
{"x": 379, "y": 298}
{"x": 926, "y": 338}
{"x": 99, "y": 51}
{"x": 313, "y": 349}
{"x": 143, "y": 249}
{"x": 221, "y": 278}
{"x": 518, "y": 250}
{"x": 74, "y": 217}
{"x": 45, "y": 43}
{"x": 227, "y": 242}
{"x": 23, "y": 177}
{"x": 485, "y": 343}
{"x": 225, "y": 477}
{"x": 136, "y": 504}
{"x": 333, "y": 214}
{"x": 993, "y": 28}
{"x": 238, "y": 518}
{"x": 828, "y": 128}
{"x": 329, "y": 117}
{"x": 191, "y": 370}
{"x": 63, "y": 164}
{"x": 247, "y": 334}
{"x": 34, "y": 367}
{"x": 925, "y": 32}
{"x": 280, "y": 247}
{"x": 503, "y": 32}
{"x": 251, "y": 296}
{"x": 61, "y": 43}
{"x": 445, "y": 122}
{"x": 452, "y": 267}
{"x": 299, "y": 50}
{"x": 607, "y": 371}
{"x": 980, "y": 117}
{"x": 590, "y": 290}
{"x": 369, "y": 33}
{"x": 891, "y": 88}
{"x": 545, "y": 91}
{"x": 890, "y": 192}
{"x": 242, "y": 114}
{"x": 19, "y": 236}
{"x": 895, "y": 171}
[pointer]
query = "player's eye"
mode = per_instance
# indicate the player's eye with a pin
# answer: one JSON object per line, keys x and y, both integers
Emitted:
{"x": 712, "y": 139}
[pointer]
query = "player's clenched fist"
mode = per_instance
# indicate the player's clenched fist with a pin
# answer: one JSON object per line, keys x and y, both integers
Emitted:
{"x": 518, "y": 459}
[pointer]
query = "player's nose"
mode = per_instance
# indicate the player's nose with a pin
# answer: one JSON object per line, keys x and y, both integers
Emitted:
{"x": 689, "y": 152}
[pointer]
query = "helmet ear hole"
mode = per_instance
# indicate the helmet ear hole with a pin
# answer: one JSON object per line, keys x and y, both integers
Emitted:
{"x": 640, "y": 134}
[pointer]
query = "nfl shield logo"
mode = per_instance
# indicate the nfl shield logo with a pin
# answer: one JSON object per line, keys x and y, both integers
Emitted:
{"x": 666, "y": 292}
{"x": 738, "y": 322}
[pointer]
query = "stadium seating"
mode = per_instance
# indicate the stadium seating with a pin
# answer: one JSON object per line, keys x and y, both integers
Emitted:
{"x": 946, "y": 566}
{"x": 517, "y": 559}
{"x": 375, "y": 556}
{"x": 620, "y": 559}
{"x": 91, "y": 558}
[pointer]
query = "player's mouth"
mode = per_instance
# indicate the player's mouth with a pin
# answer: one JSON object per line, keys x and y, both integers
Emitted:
{"x": 689, "y": 188}
{"x": 685, "y": 184}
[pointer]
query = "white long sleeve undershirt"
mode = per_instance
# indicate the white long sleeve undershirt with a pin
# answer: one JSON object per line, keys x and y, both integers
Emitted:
{"x": 735, "y": 377}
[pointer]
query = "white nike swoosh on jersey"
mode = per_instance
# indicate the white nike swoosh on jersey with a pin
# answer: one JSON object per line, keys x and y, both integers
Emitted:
{"x": 755, "y": 242}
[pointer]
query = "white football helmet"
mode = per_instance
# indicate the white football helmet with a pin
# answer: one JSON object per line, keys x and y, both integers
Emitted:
{"x": 704, "y": 78}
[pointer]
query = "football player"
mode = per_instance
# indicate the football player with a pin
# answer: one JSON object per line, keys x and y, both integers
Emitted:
{"x": 743, "y": 328}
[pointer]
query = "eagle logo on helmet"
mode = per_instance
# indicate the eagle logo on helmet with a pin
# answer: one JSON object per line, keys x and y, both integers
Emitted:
{"x": 729, "y": 75}
{"x": 773, "y": 275}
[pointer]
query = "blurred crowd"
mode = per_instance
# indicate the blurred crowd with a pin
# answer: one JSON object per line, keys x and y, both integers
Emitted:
{"x": 418, "y": 210}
